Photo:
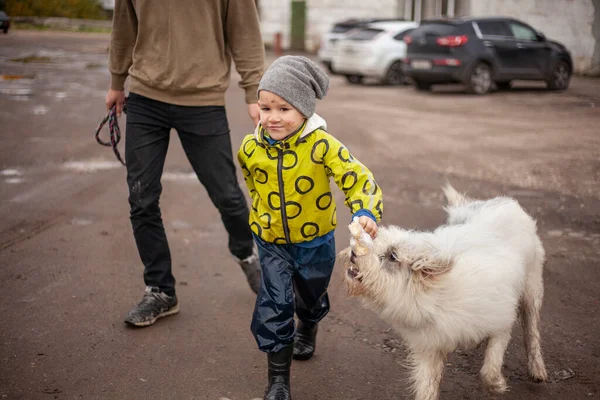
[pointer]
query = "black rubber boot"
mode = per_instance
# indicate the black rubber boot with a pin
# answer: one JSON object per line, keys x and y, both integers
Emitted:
{"x": 305, "y": 340}
{"x": 279, "y": 375}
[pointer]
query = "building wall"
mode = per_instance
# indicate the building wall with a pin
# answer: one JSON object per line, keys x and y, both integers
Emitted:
{"x": 321, "y": 15}
{"x": 571, "y": 22}
{"x": 595, "y": 69}
{"x": 275, "y": 17}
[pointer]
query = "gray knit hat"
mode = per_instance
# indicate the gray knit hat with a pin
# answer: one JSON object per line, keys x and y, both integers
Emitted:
{"x": 297, "y": 80}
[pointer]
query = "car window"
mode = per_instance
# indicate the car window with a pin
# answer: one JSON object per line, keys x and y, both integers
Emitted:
{"x": 401, "y": 35}
{"x": 365, "y": 34}
{"x": 436, "y": 29}
{"x": 341, "y": 28}
{"x": 522, "y": 32}
{"x": 494, "y": 28}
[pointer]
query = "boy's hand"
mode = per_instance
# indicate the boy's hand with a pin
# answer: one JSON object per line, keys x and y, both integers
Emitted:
{"x": 368, "y": 225}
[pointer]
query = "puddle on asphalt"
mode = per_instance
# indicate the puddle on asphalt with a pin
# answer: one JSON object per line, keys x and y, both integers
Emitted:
{"x": 13, "y": 176}
{"x": 179, "y": 176}
{"x": 10, "y": 172}
{"x": 42, "y": 57}
{"x": 81, "y": 221}
{"x": 180, "y": 224}
{"x": 19, "y": 86}
{"x": 91, "y": 166}
{"x": 40, "y": 110}
{"x": 93, "y": 66}
{"x": 32, "y": 59}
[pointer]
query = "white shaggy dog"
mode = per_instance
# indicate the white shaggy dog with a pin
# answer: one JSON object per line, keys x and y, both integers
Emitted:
{"x": 455, "y": 287}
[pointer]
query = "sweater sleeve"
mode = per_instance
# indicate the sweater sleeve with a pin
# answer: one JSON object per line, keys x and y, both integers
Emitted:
{"x": 245, "y": 44}
{"x": 122, "y": 41}
{"x": 354, "y": 179}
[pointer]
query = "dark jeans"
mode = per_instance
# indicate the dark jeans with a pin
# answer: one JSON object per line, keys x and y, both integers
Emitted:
{"x": 293, "y": 279}
{"x": 204, "y": 134}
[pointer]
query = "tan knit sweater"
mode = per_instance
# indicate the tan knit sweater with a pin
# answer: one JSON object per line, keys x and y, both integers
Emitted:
{"x": 180, "y": 51}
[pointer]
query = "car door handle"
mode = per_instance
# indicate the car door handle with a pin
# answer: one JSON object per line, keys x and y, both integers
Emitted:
{"x": 520, "y": 46}
{"x": 487, "y": 43}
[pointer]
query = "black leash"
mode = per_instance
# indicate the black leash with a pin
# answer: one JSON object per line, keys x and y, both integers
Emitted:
{"x": 113, "y": 130}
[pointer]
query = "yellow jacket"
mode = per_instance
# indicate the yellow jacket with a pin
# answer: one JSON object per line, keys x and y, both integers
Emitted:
{"x": 295, "y": 173}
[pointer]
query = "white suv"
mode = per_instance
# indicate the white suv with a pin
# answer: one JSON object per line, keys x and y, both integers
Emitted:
{"x": 339, "y": 31}
{"x": 374, "y": 51}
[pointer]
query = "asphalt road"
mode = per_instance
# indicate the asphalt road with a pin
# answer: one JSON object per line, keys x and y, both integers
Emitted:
{"x": 69, "y": 269}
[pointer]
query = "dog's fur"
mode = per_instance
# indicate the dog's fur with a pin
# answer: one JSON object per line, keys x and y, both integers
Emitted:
{"x": 457, "y": 286}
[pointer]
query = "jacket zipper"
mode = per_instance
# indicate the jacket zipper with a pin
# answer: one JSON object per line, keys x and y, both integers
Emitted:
{"x": 286, "y": 228}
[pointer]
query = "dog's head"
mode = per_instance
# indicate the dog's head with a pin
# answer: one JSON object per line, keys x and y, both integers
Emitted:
{"x": 398, "y": 269}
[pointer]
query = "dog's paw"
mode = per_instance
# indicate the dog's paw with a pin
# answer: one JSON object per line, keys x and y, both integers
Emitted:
{"x": 537, "y": 372}
{"x": 495, "y": 384}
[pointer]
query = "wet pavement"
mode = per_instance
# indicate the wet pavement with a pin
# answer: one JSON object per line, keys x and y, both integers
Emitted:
{"x": 69, "y": 269}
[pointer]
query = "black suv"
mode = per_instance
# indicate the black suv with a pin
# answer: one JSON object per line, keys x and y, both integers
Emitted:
{"x": 481, "y": 52}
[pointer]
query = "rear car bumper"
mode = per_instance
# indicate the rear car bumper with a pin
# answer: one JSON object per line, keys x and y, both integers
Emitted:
{"x": 438, "y": 73}
{"x": 357, "y": 66}
{"x": 325, "y": 55}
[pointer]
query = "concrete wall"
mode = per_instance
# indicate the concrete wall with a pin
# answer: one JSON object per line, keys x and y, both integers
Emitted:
{"x": 595, "y": 69}
{"x": 275, "y": 16}
{"x": 321, "y": 15}
{"x": 571, "y": 22}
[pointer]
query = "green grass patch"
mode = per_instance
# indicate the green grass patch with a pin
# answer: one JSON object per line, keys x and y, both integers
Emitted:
{"x": 78, "y": 28}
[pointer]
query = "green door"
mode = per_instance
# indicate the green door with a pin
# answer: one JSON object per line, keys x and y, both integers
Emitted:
{"x": 298, "y": 24}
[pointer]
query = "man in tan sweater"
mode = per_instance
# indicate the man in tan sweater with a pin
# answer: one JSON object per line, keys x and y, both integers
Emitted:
{"x": 177, "y": 55}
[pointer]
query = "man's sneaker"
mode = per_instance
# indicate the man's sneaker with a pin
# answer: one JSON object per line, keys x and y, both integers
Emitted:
{"x": 251, "y": 267}
{"x": 154, "y": 305}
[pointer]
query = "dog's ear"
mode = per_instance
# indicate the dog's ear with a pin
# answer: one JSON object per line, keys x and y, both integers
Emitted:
{"x": 421, "y": 259}
{"x": 427, "y": 268}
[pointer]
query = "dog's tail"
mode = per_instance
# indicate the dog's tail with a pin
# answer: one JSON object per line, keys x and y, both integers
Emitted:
{"x": 453, "y": 198}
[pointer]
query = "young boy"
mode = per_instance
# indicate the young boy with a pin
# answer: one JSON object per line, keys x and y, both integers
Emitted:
{"x": 287, "y": 164}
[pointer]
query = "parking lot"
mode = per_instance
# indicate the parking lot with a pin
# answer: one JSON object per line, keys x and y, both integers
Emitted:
{"x": 70, "y": 270}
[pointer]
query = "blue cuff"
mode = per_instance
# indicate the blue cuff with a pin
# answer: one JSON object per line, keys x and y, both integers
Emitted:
{"x": 364, "y": 212}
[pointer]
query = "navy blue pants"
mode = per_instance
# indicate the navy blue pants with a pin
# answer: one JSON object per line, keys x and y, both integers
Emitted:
{"x": 293, "y": 279}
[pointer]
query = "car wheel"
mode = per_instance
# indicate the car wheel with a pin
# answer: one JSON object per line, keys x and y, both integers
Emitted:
{"x": 503, "y": 85}
{"x": 5, "y": 30}
{"x": 422, "y": 86}
{"x": 354, "y": 79}
{"x": 395, "y": 74}
{"x": 561, "y": 75}
{"x": 480, "y": 79}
